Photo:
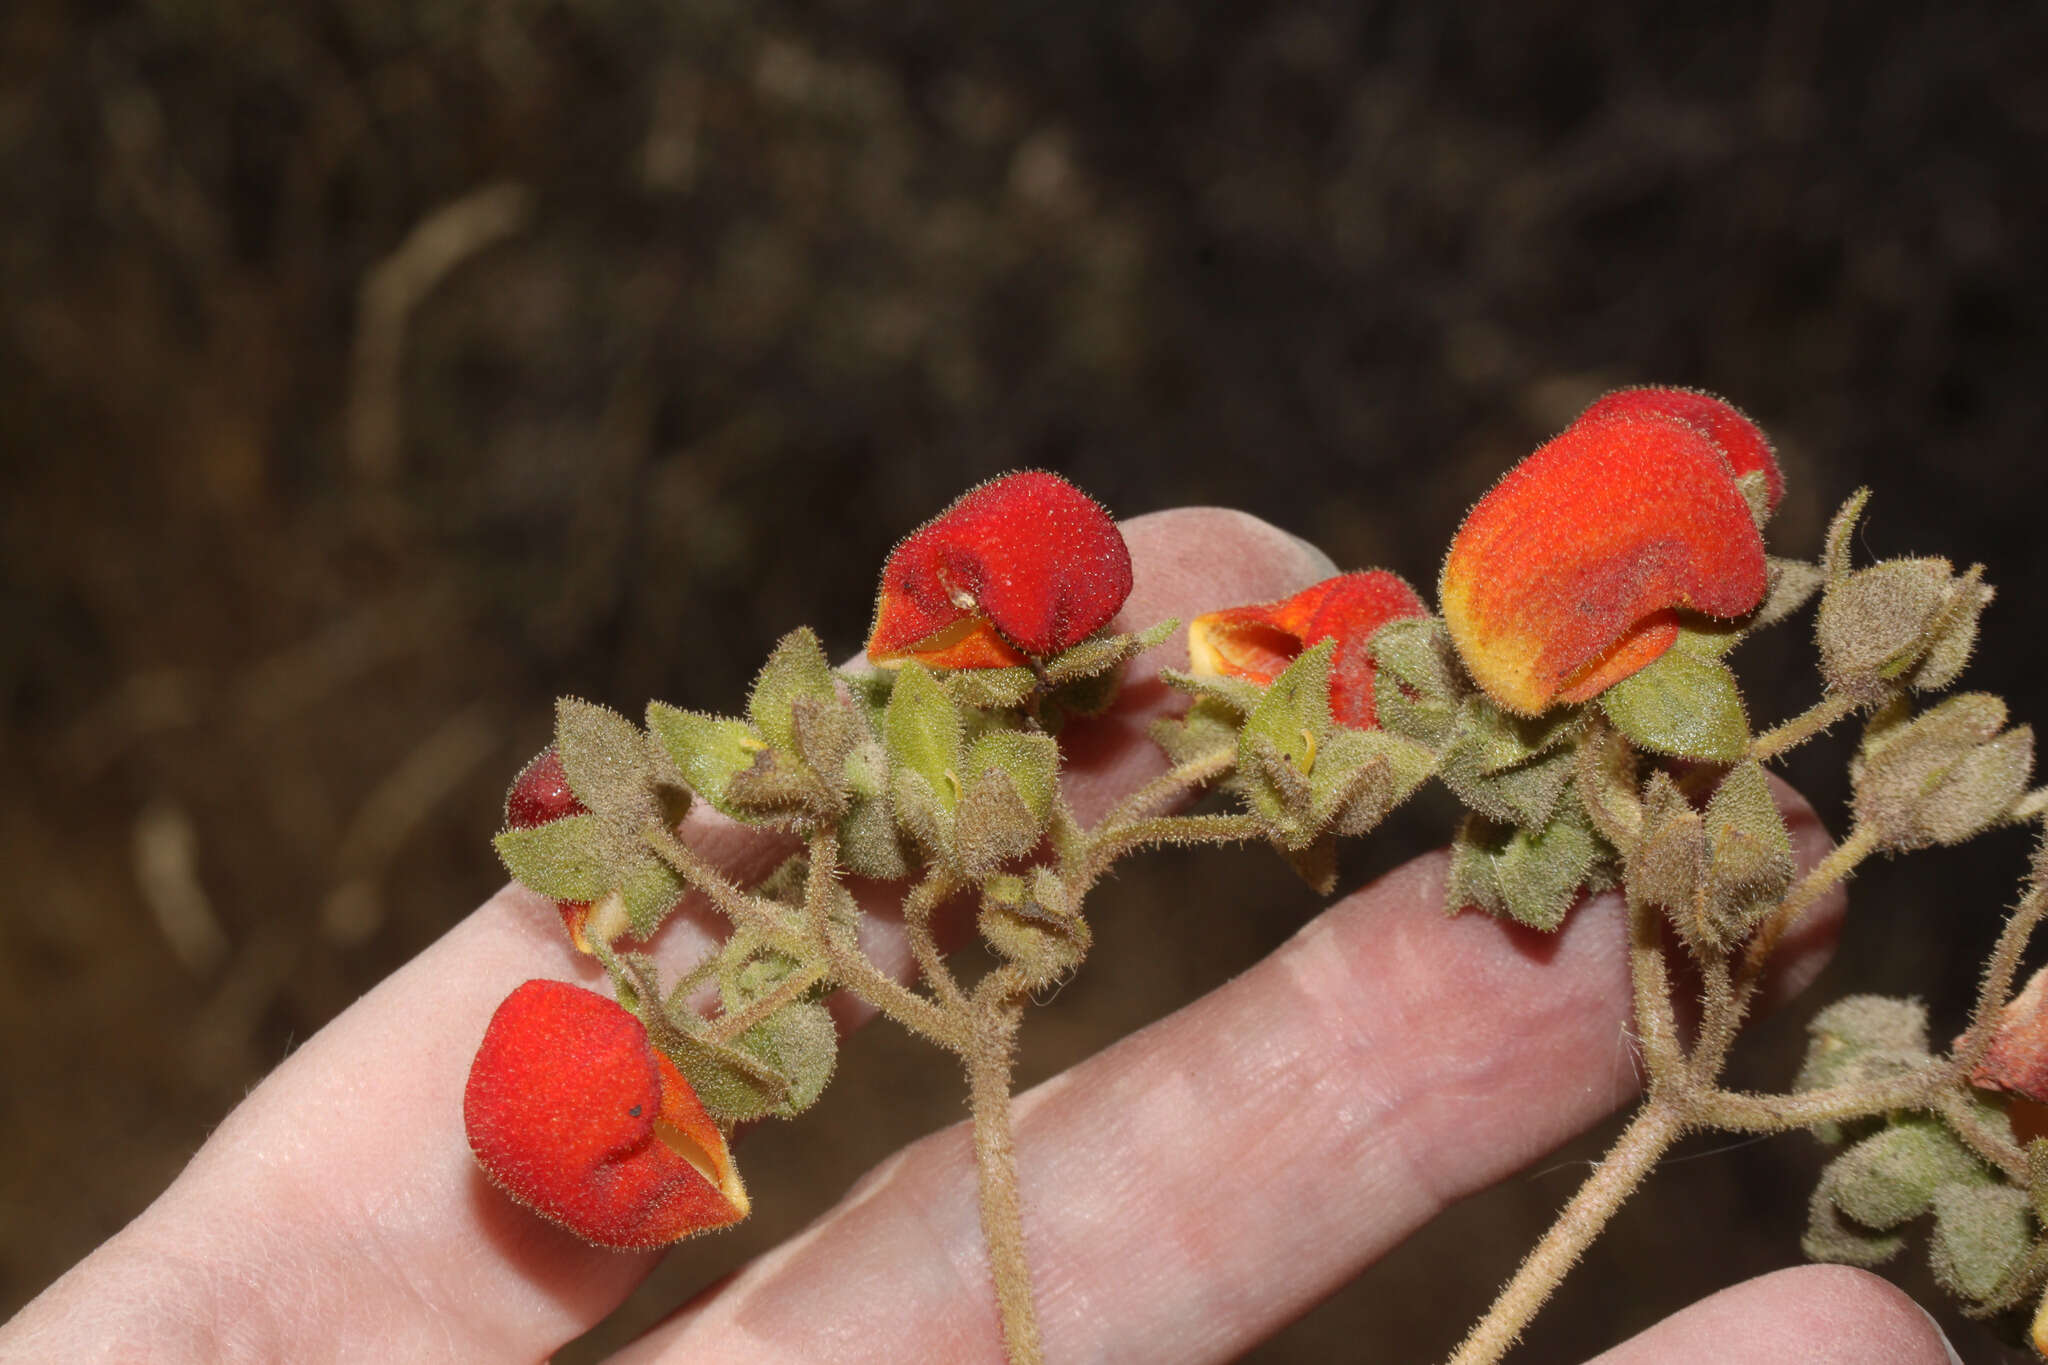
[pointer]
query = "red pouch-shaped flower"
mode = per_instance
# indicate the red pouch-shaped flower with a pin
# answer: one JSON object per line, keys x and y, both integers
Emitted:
{"x": 1258, "y": 642}
{"x": 1026, "y": 564}
{"x": 571, "y": 1112}
{"x": 1565, "y": 577}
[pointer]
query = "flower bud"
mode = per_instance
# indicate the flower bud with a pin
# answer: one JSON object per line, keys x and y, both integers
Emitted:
{"x": 1259, "y": 642}
{"x": 1565, "y": 578}
{"x": 571, "y": 1112}
{"x": 540, "y": 795}
{"x": 1026, "y": 564}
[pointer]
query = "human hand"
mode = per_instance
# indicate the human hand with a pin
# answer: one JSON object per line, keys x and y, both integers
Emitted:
{"x": 1187, "y": 1191}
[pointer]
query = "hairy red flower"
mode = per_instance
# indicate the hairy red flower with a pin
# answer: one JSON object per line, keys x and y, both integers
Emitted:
{"x": 539, "y": 795}
{"x": 573, "y": 1114}
{"x": 1565, "y": 578}
{"x": 1741, "y": 440}
{"x": 1026, "y": 564}
{"x": 1258, "y": 642}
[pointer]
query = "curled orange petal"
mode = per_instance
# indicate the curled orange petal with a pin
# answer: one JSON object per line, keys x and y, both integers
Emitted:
{"x": 1026, "y": 564}
{"x": 1258, "y": 642}
{"x": 572, "y": 1113}
{"x": 1564, "y": 577}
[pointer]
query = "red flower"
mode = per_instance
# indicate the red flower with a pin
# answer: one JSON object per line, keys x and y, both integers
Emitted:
{"x": 1258, "y": 642}
{"x": 540, "y": 795}
{"x": 1026, "y": 564}
{"x": 1565, "y": 578}
{"x": 1741, "y": 440}
{"x": 571, "y": 1113}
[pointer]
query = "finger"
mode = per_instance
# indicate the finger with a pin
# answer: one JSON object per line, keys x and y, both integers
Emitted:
{"x": 338, "y": 1209}
{"x": 1207, "y": 1179}
{"x": 1812, "y": 1315}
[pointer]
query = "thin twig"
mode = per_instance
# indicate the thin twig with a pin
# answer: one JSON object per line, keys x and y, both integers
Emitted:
{"x": 1802, "y": 727}
{"x": 995, "y": 1159}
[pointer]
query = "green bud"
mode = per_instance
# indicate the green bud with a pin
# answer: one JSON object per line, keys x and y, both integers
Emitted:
{"x": 1981, "y": 1235}
{"x": 796, "y": 669}
{"x": 1943, "y": 776}
{"x": 1891, "y": 1176}
{"x": 1861, "y": 1039}
{"x": 1025, "y": 920}
{"x": 868, "y": 841}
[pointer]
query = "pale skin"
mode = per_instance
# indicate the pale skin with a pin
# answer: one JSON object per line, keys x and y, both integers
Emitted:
{"x": 1382, "y": 1064}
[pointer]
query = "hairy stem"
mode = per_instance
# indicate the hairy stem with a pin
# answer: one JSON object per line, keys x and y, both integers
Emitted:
{"x": 995, "y": 1160}
{"x": 918, "y": 906}
{"x": 1655, "y": 1022}
{"x": 1648, "y": 1136}
{"x": 1802, "y": 727}
{"x": 851, "y": 967}
{"x": 758, "y": 913}
{"x": 1736, "y": 1111}
{"x": 1990, "y": 1141}
{"x": 1827, "y": 874}
{"x": 1996, "y": 989}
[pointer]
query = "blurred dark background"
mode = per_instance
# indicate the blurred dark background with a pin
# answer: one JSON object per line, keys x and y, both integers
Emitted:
{"x": 372, "y": 372}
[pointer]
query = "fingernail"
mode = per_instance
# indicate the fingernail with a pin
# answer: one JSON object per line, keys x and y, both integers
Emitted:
{"x": 1942, "y": 1336}
{"x": 1319, "y": 564}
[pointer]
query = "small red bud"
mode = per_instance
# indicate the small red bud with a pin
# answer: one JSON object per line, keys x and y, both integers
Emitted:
{"x": 1564, "y": 577}
{"x": 1025, "y": 564}
{"x": 541, "y": 794}
{"x": 1258, "y": 642}
{"x": 573, "y": 1114}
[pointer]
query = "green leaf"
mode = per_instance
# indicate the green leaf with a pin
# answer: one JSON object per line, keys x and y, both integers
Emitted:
{"x": 924, "y": 734}
{"x": 1681, "y": 705}
{"x": 990, "y": 689}
{"x": 1237, "y": 694}
{"x": 1749, "y": 853}
{"x": 1360, "y": 775}
{"x": 1793, "y": 582}
{"x": 709, "y": 750}
{"x": 799, "y": 1043}
{"x": 796, "y": 668}
{"x": 1209, "y": 728}
{"x": 650, "y": 891}
{"x": 606, "y": 761}
{"x": 565, "y": 859}
{"x": 1835, "y": 555}
{"x": 1510, "y": 769}
{"x": 1531, "y": 878}
{"x": 868, "y": 843}
{"x": 1031, "y": 762}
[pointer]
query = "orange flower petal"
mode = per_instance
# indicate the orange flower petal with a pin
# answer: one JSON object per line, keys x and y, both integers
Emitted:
{"x": 2017, "y": 1060}
{"x": 1563, "y": 576}
{"x": 1258, "y": 642}
{"x": 1023, "y": 564}
{"x": 1741, "y": 440}
{"x": 572, "y": 1113}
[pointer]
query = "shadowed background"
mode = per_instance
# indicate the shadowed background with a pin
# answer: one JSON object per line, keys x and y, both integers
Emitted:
{"x": 370, "y": 373}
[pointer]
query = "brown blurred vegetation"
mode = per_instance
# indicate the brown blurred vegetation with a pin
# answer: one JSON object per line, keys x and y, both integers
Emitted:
{"x": 372, "y": 372}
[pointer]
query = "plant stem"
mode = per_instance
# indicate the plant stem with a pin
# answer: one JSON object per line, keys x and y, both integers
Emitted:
{"x": 1993, "y": 1144}
{"x": 1106, "y": 843}
{"x": 995, "y": 1160}
{"x": 918, "y": 906}
{"x": 744, "y": 911}
{"x": 851, "y": 967}
{"x": 1831, "y": 870}
{"x": 1655, "y": 1127}
{"x": 1801, "y": 727}
{"x": 1655, "y": 1023}
{"x": 1736, "y": 1111}
{"x": 1998, "y": 974}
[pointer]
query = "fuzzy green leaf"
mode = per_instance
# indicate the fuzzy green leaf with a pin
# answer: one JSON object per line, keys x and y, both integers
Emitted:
{"x": 924, "y": 733}
{"x": 606, "y": 760}
{"x": 708, "y": 750}
{"x": 734, "y": 1085}
{"x": 1681, "y": 705}
{"x": 565, "y": 859}
{"x": 1531, "y": 878}
{"x": 1209, "y": 728}
{"x": 650, "y": 890}
{"x": 796, "y": 668}
{"x": 1891, "y": 1176}
{"x": 800, "y": 1043}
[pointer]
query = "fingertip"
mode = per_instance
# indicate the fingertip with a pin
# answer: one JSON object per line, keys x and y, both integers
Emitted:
{"x": 1808, "y": 1315}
